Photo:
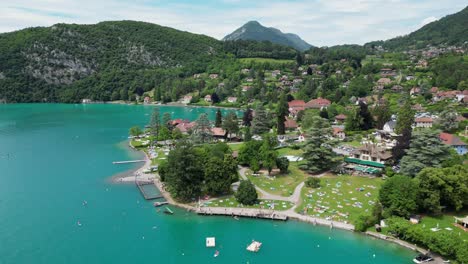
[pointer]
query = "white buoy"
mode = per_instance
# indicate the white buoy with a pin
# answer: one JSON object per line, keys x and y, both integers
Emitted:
{"x": 373, "y": 255}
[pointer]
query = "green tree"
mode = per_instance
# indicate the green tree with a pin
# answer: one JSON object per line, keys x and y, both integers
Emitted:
{"x": 261, "y": 121}
{"x": 135, "y": 131}
{"x": 404, "y": 130}
{"x": 167, "y": 119}
{"x": 281, "y": 113}
{"x": 323, "y": 113}
{"x": 283, "y": 164}
{"x": 202, "y": 130}
{"x": 318, "y": 153}
{"x": 398, "y": 196}
{"x": 426, "y": 150}
{"x": 448, "y": 120}
{"x": 313, "y": 182}
{"x": 183, "y": 172}
{"x": 405, "y": 118}
{"x": 382, "y": 115}
{"x": 246, "y": 194}
{"x": 366, "y": 117}
{"x": 299, "y": 59}
{"x": 247, "y": 134}
{"x": 353, "y": 121}
{"x": 230, "y": 124}
{"x": 155, "y": 123}
{"x": 219, "y": 118}
{"x": 219, "y": 174}
{"x": 443, "y": 187}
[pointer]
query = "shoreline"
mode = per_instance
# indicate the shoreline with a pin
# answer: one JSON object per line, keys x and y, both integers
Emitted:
{"x": 130, "y": 178}
{"x": 175, "y": 104}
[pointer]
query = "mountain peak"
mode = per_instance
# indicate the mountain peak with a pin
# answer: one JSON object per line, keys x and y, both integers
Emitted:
{"x": 253, "y": 30}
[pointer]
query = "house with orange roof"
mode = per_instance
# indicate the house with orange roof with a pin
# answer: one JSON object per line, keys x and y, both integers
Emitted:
{"x": 290, "y": 124}
{"x": 455, "y": 142}
{"x": 318, "y": 103}
{"x": 423, "y": 122}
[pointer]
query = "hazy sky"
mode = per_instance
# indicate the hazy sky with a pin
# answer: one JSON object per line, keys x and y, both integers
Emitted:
{"x": 319, "y": 22}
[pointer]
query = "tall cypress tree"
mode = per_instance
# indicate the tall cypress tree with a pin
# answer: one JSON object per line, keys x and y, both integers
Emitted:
{"x": 155, "y": 122}
{"x": 404, "y": 130}
{"x": 261, "y": 122}
{"x": 219, "y": 118}
{"x": 365, "y": 115}
{"x": 281, "y": 113}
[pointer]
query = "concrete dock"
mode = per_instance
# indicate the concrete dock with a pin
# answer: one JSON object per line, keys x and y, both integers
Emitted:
{"x": 242, "y": 212}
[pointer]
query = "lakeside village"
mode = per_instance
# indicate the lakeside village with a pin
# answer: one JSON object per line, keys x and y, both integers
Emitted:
{"x": 384, "y": 152}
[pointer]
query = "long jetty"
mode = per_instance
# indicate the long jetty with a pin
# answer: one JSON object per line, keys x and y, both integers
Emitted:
{"x": 127, "y": 161}
{"x": 243, "y": 212}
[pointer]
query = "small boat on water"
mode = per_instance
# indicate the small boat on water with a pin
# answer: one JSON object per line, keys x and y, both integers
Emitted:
{"x": 254, "y": 246}
{"x": 237, "y": 218}
{"x": 78, "y": 223}
{"x": 422, "y": 258}
{"x": 168, "y": 211}
{"x": 157, "y": 204}
{"x": 216, "y": 253}
{"x": 210, "y": 242}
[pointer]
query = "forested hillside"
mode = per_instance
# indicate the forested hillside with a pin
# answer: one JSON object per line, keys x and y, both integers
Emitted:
{"x": 112, "y": 60}
{"x": 68, "y": 62}
{"x": 450, "y": 30}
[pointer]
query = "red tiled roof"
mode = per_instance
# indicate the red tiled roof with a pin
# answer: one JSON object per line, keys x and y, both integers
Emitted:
{"x": 290, "y": 123}
{"x": 450, "y": 139}
{"x": 296, "y": 103}
{"x": 185, "y": 127}
{"x": 217, "y": 131}
{"x": 340, "y": 117}
{"x": 318, "y": 103}
{"x": 424, "y": 120}
{"x": 337, "y": 130}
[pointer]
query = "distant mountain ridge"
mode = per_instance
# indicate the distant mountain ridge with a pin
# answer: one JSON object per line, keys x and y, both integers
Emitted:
{"x": 449, "y": 30}
{"x": 253, "y": 30}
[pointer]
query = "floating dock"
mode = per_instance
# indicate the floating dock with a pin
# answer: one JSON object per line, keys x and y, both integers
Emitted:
{"x": 127, "y": 161}
{"x": 148, "y": 190}
{"x": 244, "y": 212}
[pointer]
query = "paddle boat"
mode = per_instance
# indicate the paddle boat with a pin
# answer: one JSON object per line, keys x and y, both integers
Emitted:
{"x": 216, "y": 253}
{"x": 168, "y": 211}
{"x": 254, "y": 246}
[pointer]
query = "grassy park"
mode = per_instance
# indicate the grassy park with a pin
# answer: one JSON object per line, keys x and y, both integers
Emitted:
{"x": 340, "y": 198}
{"x": 231, "y": 201}
{"x": 279, "y": 184}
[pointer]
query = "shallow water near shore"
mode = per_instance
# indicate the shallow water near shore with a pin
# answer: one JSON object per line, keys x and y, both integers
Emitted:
{"x": 54, "y": 156}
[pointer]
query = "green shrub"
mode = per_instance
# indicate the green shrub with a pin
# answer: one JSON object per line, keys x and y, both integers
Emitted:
{"x": 246, "y": 194}
{"x": 312, "y": 182}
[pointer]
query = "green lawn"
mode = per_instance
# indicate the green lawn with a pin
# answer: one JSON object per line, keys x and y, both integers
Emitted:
{"x": 235, "y": 146}
{"x": 264, "y": 60}
{"x": 161, "y": 157}
{"x": 339, "y": 197}
{"x": 444, "y": 221}
{"x": 280, "y": 184}
{"x": 137, "y": 143}
{"x": 353, "y": 143}
{"x": 231, "y": 201}
{"x": 289, "y": 151}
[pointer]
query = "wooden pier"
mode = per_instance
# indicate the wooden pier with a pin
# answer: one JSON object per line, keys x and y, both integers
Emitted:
{"x": 127, "y": 161}
{"x": 243, "y": 212}
{"x": 148, "y": 196}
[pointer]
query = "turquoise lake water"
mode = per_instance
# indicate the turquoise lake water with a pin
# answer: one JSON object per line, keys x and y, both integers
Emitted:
{"x": 52, "y": 157}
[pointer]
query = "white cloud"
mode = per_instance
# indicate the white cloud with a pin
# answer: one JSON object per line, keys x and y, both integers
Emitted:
{"x": 427, "y": 20}
{"x": 319, "y": 22}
